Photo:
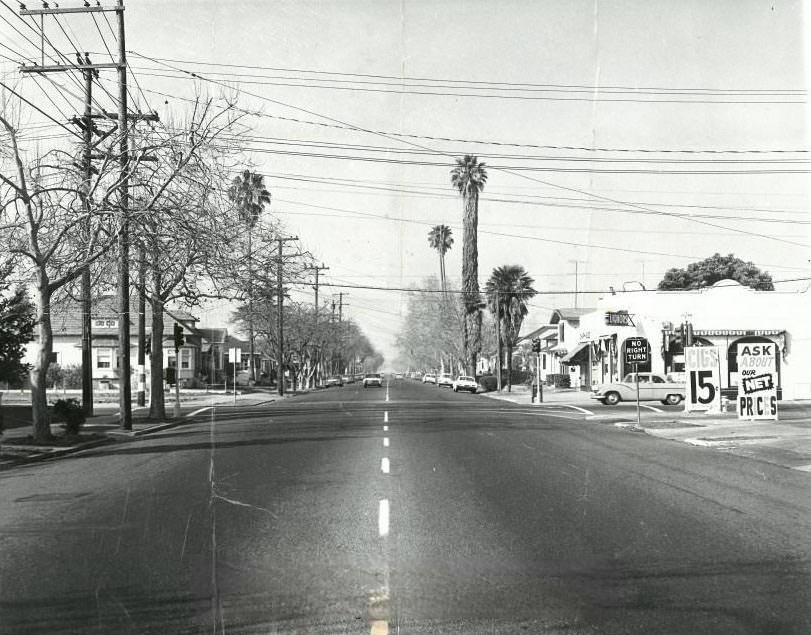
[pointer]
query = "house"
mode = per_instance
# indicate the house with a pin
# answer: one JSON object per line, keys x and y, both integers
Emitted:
{"x": 561, "y": 349}
{"x": 203, "y": 355}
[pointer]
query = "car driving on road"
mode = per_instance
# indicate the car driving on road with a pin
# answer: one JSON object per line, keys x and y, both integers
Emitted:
{"x": 373, "y": 379}
{"x": 464, "y": 382}
{"x": 428, "y": 378}
{"x": 335, "y": 380}
{"x": 652, "y": 387}
{"x": 445, "y": 379}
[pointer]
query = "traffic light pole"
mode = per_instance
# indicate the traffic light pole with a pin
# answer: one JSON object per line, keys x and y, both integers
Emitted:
{"x": 178, "y": 338}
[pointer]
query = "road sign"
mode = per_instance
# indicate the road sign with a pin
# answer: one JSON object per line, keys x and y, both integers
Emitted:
{"x": 757, "y": 381}
{"x": 235, "y": 355}
{"x": 703, "y": 369}
{"x": 637, "y": 351}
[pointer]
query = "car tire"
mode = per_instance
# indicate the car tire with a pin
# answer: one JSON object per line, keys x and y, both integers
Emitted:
{"x": 673, "y": 400}
{"x": 612, "y": 398}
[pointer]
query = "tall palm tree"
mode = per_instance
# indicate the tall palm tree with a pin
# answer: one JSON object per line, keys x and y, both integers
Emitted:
{"x": 249, "y": 193}
{"x": 440, "y": 238}
{"x": 508, "y": 290}
{"x": 469, "y": 177}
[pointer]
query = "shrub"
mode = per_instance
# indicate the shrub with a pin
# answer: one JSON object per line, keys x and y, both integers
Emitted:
{"x": 560, "y": 380}
{"x": 72, "y": 376}
{"x": 53, "y": 378}
{"x": 194, "y": 382}
{"x": 488, "y": 383}
{"x": 71, "y": 413}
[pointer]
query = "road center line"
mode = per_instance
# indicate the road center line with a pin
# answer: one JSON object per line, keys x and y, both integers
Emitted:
{"x": 386, "y": 416}
{"x": 385, "y": 442}
{"x": 383, "y": 517}
{"x": 654, "y": 408}
{"x": 384, "y": 465}
{"x": 385, "y": 428}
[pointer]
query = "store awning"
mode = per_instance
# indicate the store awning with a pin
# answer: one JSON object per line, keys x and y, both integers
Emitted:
{"x": 575, "y": 351}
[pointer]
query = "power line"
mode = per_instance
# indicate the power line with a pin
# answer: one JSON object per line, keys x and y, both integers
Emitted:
{"x": 494, "y": 83}
{"x": 403, "y": 90}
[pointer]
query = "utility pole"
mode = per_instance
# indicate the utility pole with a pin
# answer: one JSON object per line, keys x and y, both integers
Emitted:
{"x": 280, "y": 317}
{"x": 317, "y": 270}
{"x": 576, "y": 278}
{"x": 498, "y": 339}
{"x": 87, "y": 303}
{"x": 90, "y": 70}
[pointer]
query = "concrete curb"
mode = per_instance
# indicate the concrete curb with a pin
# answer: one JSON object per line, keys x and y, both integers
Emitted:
{"x": 43, "y": 453}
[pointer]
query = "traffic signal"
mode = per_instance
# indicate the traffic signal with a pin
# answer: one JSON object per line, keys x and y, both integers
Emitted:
{"x": 536, "y": 345}
{"x": 179, "y": 339}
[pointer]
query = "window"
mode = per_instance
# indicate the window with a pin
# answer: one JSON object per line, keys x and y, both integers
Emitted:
{"x": 171, "y": 361}
{"x": 185, "y": 358}
{"x": 104, "y": 358}
{"x": 657, "y": 380}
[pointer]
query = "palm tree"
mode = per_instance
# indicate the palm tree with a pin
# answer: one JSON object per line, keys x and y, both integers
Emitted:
{"x": 508, "y": 290}
{"x": 250, "y": 195}
{"x": 469, "y": 177}
{"x": 440, "y": 238}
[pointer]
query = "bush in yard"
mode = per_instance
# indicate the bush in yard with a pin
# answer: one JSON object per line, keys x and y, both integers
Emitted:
{"x": 559, "y": 380}
{"x": 488, "y": 383}
{"x": 72, "y": 376}
{"x": 53, "y": 378}
{"x": 71, "y": 413}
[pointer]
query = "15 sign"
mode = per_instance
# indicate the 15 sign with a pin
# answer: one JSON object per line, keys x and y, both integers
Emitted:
{"x": 703, "y": 369}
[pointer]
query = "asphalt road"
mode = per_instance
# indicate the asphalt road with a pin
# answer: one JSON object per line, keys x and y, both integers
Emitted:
{"x": 431, "y": 512}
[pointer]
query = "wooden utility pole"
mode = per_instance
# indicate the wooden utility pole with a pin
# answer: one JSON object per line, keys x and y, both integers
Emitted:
{"x": 317, "y": 270}
{"x": 498, "y": 339}
{"x": 280, "y": 316}
{"x": 87, "y": 302}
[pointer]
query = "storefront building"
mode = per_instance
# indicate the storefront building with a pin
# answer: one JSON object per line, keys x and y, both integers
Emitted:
{"x": 724, "y": 315}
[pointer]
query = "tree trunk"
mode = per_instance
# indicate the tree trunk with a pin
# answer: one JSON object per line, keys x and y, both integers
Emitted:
{"x": 251, "y": 362}
{"x": 470, "y": 277}
{"x": 39, "y": 397}
{"x": 509, "y": 367}
{"x": 157, "y": 402}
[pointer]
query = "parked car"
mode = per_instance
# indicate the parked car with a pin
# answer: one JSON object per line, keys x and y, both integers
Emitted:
{"x": 347, "y": 379}
{"x": 335, "y": 380}
{"x": 445, "y": 379}
{"x": 464, "y": 382}
{"x": 398, "y": 375}
{"x": 652, "y": 387}
{"x": 428, "y": 378}
{"x": 373, "y": 379}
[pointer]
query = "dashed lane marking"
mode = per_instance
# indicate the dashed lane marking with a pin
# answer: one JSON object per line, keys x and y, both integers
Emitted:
{"x": 380, "y": 627}
{"x": 383, "y": 517}
{"x": 384, "y": 465}
{"x": 803, "y": 468}
{"x": 385, "y": 442}
{"x": 654, "y": 408}
{"x": 385, "y": 428}
{"x": 386, "y": 416}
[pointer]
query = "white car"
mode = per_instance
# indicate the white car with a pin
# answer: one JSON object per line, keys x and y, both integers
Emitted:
{"x": 428, "y": 379}
{"x": 373, "y": 379}
{"x": 652, "y": 387}
{"x": 444, "y": 380}
{"x": 464, "y": 382}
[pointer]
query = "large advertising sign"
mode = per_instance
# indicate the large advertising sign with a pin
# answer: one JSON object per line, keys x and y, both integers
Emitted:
{"x": 703, "y": 374}
{"x": 757, "y": 381}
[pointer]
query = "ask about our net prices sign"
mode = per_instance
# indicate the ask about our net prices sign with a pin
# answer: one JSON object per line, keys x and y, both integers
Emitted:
{"x": 757, "y": 381}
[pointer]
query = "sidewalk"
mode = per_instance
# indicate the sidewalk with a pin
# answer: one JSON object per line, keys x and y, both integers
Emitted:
{"x": 523, "y": 395}
{"x": 786, "y": 442}
{"x": 104, "y": 427}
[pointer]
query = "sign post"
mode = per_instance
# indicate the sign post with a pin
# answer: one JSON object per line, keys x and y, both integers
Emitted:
{"x": 637, "y": 352}
{"x": 235, "y": 357}
{"x": 703, "y": 389}
{"x": 757, "y": 381}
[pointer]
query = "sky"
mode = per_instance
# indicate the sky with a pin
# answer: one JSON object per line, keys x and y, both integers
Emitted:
{"x": 622, "y": 138}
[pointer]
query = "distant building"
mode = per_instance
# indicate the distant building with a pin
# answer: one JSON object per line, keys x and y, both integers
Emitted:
{"x": 203, "y": 356}
{"x": 724, "y": 315}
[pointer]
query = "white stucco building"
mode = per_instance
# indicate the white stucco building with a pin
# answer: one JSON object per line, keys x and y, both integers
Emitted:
{"x": 723, "y": 315}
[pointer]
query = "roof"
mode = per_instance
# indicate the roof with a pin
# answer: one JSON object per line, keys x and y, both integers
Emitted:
{"x": 569, "y": 315}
